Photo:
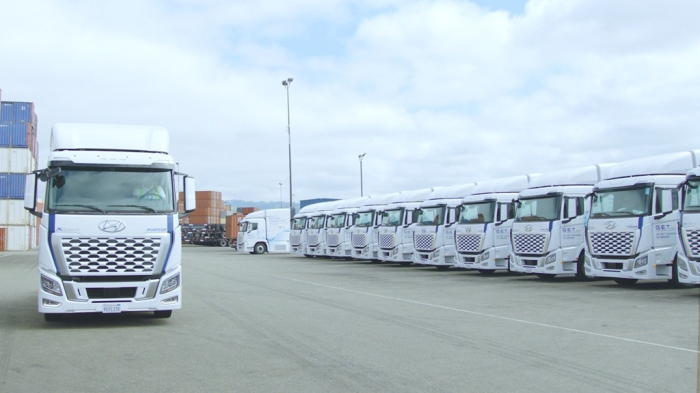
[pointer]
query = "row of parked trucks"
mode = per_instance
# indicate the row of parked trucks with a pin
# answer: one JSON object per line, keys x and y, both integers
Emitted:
{"x": 629, "y": 221}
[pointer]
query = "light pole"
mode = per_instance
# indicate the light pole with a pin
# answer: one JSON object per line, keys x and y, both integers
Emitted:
{"x": 281, "y": 204}
{"x": 286, "y": 84}
{"x": 360, "y": 157}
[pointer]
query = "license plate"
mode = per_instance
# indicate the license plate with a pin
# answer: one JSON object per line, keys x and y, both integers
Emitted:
{"x": 111, "y": 308}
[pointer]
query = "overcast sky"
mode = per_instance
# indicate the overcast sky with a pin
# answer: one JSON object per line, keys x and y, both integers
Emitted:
{"x": 434, "y": 92}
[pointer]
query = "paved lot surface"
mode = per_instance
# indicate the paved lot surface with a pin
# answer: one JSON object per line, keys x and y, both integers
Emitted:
{"x": 280, "y": 323}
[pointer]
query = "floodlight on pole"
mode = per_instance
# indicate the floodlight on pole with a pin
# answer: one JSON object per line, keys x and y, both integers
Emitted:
{"x": 360, "y": 157}
{"x": 286, "y": 84}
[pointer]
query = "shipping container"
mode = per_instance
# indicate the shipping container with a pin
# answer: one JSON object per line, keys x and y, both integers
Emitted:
{"x": 232, "y": 223}
{"x": 17, "y": 134}
{"x": 16, "y": 160}
{"x": 12, "y": 185}
{"x": 17, "y": 112}
{"x": 18, "y": 237}
{"x": 12, "y": 212}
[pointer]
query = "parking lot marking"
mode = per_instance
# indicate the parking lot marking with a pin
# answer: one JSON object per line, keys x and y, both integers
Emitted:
{"x": 486, "y": 315}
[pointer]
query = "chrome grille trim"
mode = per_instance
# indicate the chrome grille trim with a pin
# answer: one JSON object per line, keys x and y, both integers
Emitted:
{"x": 424, "y": 242}
{"x": 611, "y": 243}
{"x": 468, "y": 243}
{"x": 529, "y": 243}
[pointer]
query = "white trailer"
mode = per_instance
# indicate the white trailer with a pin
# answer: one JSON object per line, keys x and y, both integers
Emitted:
{"x": 689, "y": 251}
{"x": 297, "y": 235}
{"x": 547, "y": 237}
{"x": 632, "y": 232}
{"x": 109, "y": 240}
{"x": 338, "y": 234}
{"x": 485, "y": 218}
{"x": 363, "y": 233}
{"x": 398, "y": 221}
{"x": 265, "y": 231}
{"x": 434, "y": 235}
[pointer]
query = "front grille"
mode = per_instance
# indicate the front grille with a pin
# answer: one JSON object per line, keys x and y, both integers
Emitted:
{"x": 526, "y": 243}
{"x": 295, "y": 240}
{"x": 611, "y": 243}
{"x": 692, "y": 238}
{"x": 96, "y": 256}
{"x": 333, "y": 240}
{"x": 468, "y": 243}
{"x": 386, "y": 240}
{"x": 424, "y": 242}
{"x": 359, "y": 240}
{"x": 312, "y": 239}
{"x": 111, "y": 293}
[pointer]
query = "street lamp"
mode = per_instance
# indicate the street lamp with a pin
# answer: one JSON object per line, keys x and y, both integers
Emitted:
{"x": 286, "y": 84}
{"x": 360, "y": 157}
{"x": 281, "y": 204}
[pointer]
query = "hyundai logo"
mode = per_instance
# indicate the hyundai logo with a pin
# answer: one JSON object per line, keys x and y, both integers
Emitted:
{"x": 112, "y": 226}
{"x": 610, "y": 225}
{"x": 528, "y": 228}
{"x": 469, "y": 229}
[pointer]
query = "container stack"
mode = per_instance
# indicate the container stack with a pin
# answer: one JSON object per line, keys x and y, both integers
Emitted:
{"x": 210, "y": 207}
{"x": 18, "y": 156}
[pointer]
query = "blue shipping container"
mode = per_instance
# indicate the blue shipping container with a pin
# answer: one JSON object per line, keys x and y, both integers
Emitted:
{"x": 14, "y": 134}
{"x": 16, "y": 112}
{"x": 12, "y": 185}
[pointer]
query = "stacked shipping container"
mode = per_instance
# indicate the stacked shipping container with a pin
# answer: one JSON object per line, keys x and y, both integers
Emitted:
{"x": 210, "y": 207}
{"x": 18, "y": 154}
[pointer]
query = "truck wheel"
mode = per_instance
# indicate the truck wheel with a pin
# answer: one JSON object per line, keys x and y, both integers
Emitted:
{"x": 545, "y": 276}
{"x": 674, "y": 274}
{"x": 222, "y": 243}
{"x": 486, "y": 271}
{"x": 443, "y": 267}
{"x": 259, "y": 248}
{"x": 626, "y": 281}
{"x": 581, "y": 268}
{"x": 163, "y": 313}
{"x": 50, "y": 317}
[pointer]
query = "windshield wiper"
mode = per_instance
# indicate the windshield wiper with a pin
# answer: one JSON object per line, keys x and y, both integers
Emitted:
{"x": 150, "y": 209}
{"x": 91, "y": 207}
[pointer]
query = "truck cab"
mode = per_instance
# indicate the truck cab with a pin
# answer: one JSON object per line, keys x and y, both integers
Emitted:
{"x": 265, "y": 231}
{"x": 547, "y": 236}
{"x": 364, "y": 232}
{"x": 434, "y": 234}
{"x": 316, "y": 229}
{"x": 397, "y": 224}
{"x": 110, "y": 238}
{"x": 485, "y": 219}
{"x": 338, "y": 234}
{"x": 688, "y": 262}
{"x": 297, "y": 234}
{"x": 632, "y": 232}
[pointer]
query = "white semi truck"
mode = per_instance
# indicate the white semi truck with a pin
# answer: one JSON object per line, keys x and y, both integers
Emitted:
{"x": 632, "y": 232}
{"x": 338, "y": 234}
{"x": 434, "y": 235}
{"x": 364, "y": 233}
{"x": 316, "y": 229}
{"x": 109, "y": 240}
{"x": 689, "y": 251}
{"x": 485, "y": 218}
{"x": 547, "y": 237}
{"x": 297, "y": 235}
{"x": 265, "y": 231}
{"x": 398, "y": 221}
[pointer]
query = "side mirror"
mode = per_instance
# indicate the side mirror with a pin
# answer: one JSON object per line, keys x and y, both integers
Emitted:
{"x": 30, "y": 187}
{"x": 190, "y": 196}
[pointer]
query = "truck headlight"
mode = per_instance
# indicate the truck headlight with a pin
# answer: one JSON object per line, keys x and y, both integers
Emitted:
{"x": 485, "y": 255}
{"x": 682, "y": 265}
{"x": 587, "y": 260}
{"x": 51, "y": 286}
{"x": 170, "y": 284}
{"x": 641, "y": 261}
{"x": 550, "y": 259}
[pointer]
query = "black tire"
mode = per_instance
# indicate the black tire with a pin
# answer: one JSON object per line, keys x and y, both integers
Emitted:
{"x": 674, "y": 274}
{"x": 259, "y": 248}
{"x": 486, "y": 271}
{"x": 442, "y": 267}
{"x": 163, "y": 313}
{"x": 546, "y": 276}
{"x": 50, "y": 317}
{"x": 626, "y": 281}
{"x": 581, "y": 268}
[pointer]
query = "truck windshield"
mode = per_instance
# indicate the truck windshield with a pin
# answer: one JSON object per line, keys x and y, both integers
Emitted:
{"x": 432, "y": 215}
{"x": 622, "y": 202}
{"x": 477, "y": 213}
{"x": 299, "y": 223}
{"x": 336, "y": 221}
{"x": 691, "y": 202}
{"x": 364, "y": 219}
{"x": 316, "y": 222}
{"x": 539, "y": 209}
{"x": 392, "y": 218}
{"x": 113, "y": 190}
